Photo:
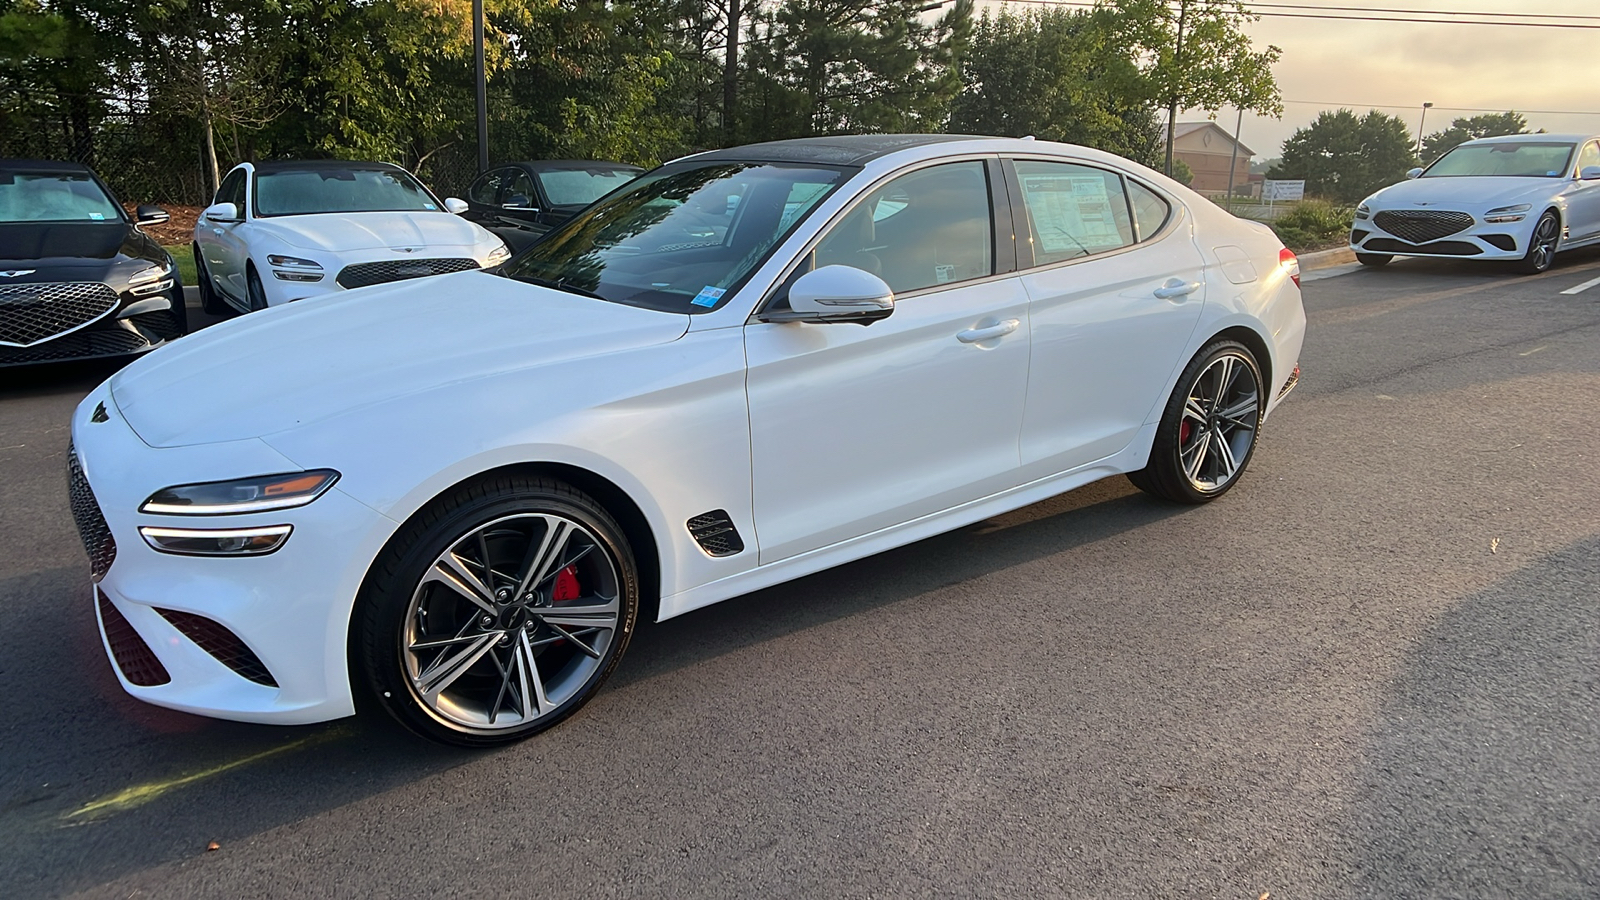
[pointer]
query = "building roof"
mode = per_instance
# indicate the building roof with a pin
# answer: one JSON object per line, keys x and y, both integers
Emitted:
{"x": 1183, "y": 129}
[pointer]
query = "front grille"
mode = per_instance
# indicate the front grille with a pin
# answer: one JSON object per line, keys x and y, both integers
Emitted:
{"x": 92, "y": 528}
{"x": 1422, "y": 225}
{"x": 1504, "y": 241}
{"x": 715, "y": 534}
{"x": 363, "y": 274}
{"x": 30, "y": 313}
{"x": 131, "y": 654}
{"x": 86, "y": 344}
{"x": 1441, "y": 248}
{"x": 214, "y": 638}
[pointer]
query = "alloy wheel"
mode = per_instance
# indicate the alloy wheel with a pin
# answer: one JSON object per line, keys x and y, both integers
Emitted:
{"x": 1543, "y": 249}
{"x": 1218, "y": 428}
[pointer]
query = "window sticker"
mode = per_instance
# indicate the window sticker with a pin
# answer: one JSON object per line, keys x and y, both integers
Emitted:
{"x": 708, "y": 296}
{"x": 944, "y": 274}
{"x": 98, "y": 217}
{"x": 1072, "y": 212}
{"x": 430, "y": 206}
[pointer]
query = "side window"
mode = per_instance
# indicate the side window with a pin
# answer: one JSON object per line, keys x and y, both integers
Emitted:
{"x": 1590, "y": 156}
{"x": 1150, "y": 212}
{"x": 486, "y": 190}
{"x": 926, "y": 228}
{"x": 1073, "y": 210}
{"x": 519, "y": 192}
{"x": 232, "y": 190}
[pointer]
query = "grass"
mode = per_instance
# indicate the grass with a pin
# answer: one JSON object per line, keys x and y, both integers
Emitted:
{"x": 183, "y": 255}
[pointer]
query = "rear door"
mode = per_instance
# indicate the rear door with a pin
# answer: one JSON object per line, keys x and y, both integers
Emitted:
{"x": 1115, "y": 287}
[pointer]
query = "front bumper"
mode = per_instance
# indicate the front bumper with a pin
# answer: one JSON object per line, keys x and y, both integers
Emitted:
{"x": 120, "y": 332}
{"x": 1480, "y": 240}
{"x": 289, "y": 611}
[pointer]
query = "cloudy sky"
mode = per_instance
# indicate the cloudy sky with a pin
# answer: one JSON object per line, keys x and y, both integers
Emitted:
{"x": 1396, "y": 66}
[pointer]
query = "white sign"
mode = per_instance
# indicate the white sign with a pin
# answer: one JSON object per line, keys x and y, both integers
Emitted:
{"x": 1283, "y": 190}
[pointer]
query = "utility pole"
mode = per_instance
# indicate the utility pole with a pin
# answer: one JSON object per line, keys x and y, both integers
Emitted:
{"x": 483, "y": 85}
{"x": 1423, "y": 121}
{"x": 730, "y": 76}
{"x": 1177, "y": 73}
{"x": 1233, "y": 161}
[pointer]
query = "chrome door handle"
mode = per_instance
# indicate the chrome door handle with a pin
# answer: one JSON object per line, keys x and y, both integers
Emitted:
{"x": 1175, "y": 288}
{"x": 988, "y": 332}
{"x": 216, "y": 231}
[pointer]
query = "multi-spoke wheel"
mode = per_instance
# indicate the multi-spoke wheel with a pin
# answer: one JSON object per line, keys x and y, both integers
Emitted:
{"x": 500, "y": 612}
{"x": 1542, "y": 245}
{"x": 1208, "y": 430}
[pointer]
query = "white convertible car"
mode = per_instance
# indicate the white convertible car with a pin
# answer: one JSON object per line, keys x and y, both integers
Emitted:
{"x": 453, "y": 496}
{"x": 285, "y": 231}
{"x": 1522, "y": 197}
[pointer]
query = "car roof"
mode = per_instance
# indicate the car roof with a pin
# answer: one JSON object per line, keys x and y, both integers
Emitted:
{"x": 1550, "y": 138}
{"x": 573, "y": 164}
{"x": 44, "y": 165}
{"x": 300, "y": 165}
{"x": 843, "y": 149}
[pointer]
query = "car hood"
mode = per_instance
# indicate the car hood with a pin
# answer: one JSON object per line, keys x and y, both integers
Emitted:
{"x": 374, "y": 230}
{"x": 74, "y": 251}
{"x": 1468, "y": 193}
{"x": 293, "y": 365}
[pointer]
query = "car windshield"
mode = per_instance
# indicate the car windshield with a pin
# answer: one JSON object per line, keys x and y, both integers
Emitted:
{"x": 581, "y": 187}
{"x": 1514, "y": 159}
{"x": 681, "y": 238}
{"x": 54, "y": 197}
{"x": 295, "y": 192}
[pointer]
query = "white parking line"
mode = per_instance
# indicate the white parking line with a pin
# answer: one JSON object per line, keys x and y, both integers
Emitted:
{"x": 1582, "y": 287}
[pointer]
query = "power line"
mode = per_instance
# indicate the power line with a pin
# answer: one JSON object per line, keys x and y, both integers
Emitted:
{"x": 1423, "y": 12}
{"x": 1413, "y": 106}
{"x": 1256, "y": 10}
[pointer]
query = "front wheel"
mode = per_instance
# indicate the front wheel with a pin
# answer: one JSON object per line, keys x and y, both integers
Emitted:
{"x": 209, "y": 301}
{"x": 1373, "y": 259}
{"x": 1208, "y": 431}
{"x": 1542, "y": 245}
{"x": 258, "y": 295}
{"x": 498, "y": 611}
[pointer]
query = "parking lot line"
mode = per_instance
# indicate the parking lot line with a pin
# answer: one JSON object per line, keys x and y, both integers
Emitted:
{"x": 1578, "y": 289}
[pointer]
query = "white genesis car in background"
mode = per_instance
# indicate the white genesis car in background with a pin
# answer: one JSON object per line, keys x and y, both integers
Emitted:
{"x": 1522, "y": 197}
{"x": 454, "y": 495}
{"x": 284, "y": 231}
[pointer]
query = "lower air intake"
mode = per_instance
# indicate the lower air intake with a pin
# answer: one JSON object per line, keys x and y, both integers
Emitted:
{"x": 715, "y": 534}
{"x": 131, "y": 654}
{"x": 215, "y": 638}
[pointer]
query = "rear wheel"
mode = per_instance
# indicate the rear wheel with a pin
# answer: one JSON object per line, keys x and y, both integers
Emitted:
{"x": 1542, "y": 246}
{"x": 498, "y": 612}
{"x": 1373, "y": 259}
{"x": 209, "y": 301}
{"x": 1208, "y": 430}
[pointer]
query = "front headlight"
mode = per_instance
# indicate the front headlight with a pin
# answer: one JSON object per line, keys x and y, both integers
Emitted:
{"x": 293, "y": 268}
{"x": 150, "y": 280}
{"x": 1507, "y": 213}
{"x": 246, "y": 495}
{"x": 498, "y": 255}
{"x": 216, "y": 541}
{"x": 1363, "y": 211}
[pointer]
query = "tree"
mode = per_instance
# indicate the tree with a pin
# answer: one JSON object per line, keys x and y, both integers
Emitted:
{"x": 1345, "y": 157}
{"x": 1462, "y": 130}
{"x": 1181, "y": 172}
{"x": 1058, "y": 75}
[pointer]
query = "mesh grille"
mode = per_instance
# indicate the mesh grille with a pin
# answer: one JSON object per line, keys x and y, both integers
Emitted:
{"x": 1357, "y": 235}
{"x": 30, "y": 313}
{"x": 1442, "y": 248}
{"x": 715, "y": 534}
{"x": 1420, "y": 226}
{"x": 215, "y": 638}
{"x": 92, "y": 528}
{"x": 131, "y": 654}
{"x": 363, "y": 274}
{"x": 86, "y": 344}
{"x": 1504, "y": 241}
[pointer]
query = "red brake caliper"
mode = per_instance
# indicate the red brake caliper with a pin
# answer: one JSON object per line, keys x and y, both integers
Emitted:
{"x": 566, "y": 586}
{"x": 1184, "y": 429}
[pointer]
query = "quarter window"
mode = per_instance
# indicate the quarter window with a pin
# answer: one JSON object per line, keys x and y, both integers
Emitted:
{"x": 923, "y": 229}
{"x": 1150, "y": 212}
{"x": 1073, "y": 211}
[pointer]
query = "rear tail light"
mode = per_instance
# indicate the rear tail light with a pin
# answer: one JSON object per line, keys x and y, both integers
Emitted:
{"x": 1290, "y": 264}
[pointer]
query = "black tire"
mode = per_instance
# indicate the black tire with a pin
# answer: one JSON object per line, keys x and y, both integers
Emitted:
{"x": 209, "y": 301}
{"x": 1165, "y": 475}
{"x": 1373, "y": 259}
{"x": 257, "y": 294}
{"x": 1542, "y": 245}
{"x": 393, "y": 612}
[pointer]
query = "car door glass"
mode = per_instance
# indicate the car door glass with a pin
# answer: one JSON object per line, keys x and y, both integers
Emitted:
{"x": 519, "y": 192}
{"x": 232, "y": 190}
{"x": 486, "y": 190}
{"x": 1150, "y": 211}
{"x": 1589, "y": 157}
{"x": 1073, "y": 211}
{"x": 926, "y": 228}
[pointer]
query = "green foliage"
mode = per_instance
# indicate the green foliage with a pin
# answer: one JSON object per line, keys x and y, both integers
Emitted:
{"x": 1346, "y": 157}
{"x": 1217, "y": 65}
{"x": 1314, "y": 224}
{"x": 1465, "y": 129}
{"x": 1181, "y": 172}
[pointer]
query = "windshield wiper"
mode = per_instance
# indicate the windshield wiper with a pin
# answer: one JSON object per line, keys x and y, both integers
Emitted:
{"x": 557, "y": 284}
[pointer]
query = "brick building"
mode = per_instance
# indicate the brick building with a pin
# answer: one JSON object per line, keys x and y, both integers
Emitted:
{"x": 1206, "y": 148}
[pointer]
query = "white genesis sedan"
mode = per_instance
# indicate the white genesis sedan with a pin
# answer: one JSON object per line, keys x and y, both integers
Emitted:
{"x": 453, "y": 496}
{"x": 284, "y": 231}
{"x": 1522, "y": 197}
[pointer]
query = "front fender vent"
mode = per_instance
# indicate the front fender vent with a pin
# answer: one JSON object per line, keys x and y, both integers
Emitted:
{"x": 715, "y": 534}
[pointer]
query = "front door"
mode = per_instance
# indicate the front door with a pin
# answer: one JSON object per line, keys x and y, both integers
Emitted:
{"x": 856, "y": 429}
{"x": 222, "y": 245}
{"x": 1583, "y": 203}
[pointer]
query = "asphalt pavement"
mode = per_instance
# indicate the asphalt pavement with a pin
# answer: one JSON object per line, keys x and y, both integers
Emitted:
{"x": 1372, "y": 670}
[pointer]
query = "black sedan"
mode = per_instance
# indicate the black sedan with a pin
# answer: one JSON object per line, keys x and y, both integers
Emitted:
{"x": 78, "y": 279}
{"x": 523, "y": 200}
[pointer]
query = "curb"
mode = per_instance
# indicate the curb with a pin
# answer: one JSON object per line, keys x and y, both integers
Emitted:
{"x": 1323, "y": 259}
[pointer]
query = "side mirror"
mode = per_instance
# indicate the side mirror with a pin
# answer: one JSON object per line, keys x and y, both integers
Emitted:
{"x": 455, "y": 205}
{"x": 222, "y": 212}
{"x": 149, "y": 215}
{"x": 836, "y": 294}
{"x": 1412, "y": 173}
{"x": 1589, "y": 173}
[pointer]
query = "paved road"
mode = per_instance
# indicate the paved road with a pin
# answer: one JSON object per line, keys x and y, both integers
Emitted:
{"x": 1372, "y": 671}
